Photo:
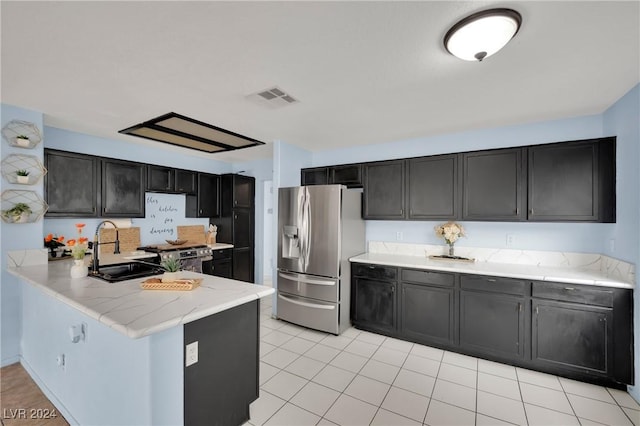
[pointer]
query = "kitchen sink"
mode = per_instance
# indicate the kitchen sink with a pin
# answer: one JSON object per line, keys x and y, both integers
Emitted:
{"x": 127, "y": 271}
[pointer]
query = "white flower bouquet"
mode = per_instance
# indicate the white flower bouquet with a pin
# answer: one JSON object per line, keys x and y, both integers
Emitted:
{"x": 450, "y": 231}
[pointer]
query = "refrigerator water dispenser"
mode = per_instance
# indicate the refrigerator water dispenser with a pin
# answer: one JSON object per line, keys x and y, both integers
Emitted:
{"x": 290, "y": 242}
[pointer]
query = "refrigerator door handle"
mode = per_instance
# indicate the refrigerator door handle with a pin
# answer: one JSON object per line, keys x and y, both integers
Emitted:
{"x": 300, "y": 224}
{"x": 303, "y": 279}
{"x": 306, "y": 224}
{"x": 305, "y": 304}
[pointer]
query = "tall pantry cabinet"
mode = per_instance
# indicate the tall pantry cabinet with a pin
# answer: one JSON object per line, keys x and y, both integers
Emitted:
{"x": 237, "y": 223}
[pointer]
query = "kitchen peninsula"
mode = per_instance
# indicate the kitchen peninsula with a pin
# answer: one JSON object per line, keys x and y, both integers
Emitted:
{"x": 128, "y": 365}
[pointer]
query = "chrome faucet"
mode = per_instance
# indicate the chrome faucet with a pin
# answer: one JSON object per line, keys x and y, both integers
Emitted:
{"x": 95, "y": 263}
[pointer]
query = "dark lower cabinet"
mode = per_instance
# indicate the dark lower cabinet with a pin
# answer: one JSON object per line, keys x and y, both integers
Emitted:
{"x": 243, "y": 264}
{"x": 427, "y": 313}
{"x": 123, "y": 186}
{"x": 583, "y": 332}
{"x": 220, "y": 386}
{"x": 492, "y": 324}
{"x": 373, "y": 304}
{"x": 572, "y": 335}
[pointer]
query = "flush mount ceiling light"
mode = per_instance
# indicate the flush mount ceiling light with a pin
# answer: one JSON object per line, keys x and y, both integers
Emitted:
{"x": 482, "y": 34}
{"x": 176, "y": 129}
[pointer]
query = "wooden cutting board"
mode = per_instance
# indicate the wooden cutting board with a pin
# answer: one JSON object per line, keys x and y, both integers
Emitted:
{"x": 129, "y": 239}
{"x": 194, "y": 234}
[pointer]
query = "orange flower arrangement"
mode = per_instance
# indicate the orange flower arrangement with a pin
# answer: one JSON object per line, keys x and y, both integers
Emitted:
{"x": 53, "y": 242}
{"x": 78, "y": 246}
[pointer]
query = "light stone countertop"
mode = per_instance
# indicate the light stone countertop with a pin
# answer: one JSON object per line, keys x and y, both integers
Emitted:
{"x": 128, "y": 309}
{"x": 220, "y": 246}
{"x": 528, "y": 272}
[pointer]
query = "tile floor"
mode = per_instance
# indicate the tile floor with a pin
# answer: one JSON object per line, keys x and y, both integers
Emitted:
{"x": 360, "y": 378}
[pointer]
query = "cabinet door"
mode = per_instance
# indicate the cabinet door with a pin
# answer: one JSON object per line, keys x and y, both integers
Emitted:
{"x": 492, "y": 324}
{"x": 123, "y": 186}
{"x": 222, "y": 269}
{"x": 243, "y": 264}
{"x": 349, "y": 175}
{"x": 186, "y": 181}
{"x": 493, "y": 185}
{"x": 71, "y": 184}
{"x": 315, "y": 176}
{"x": 433, "y": 190}
{"x": 384, "y": 190}
{"x": 571, "y": 335}
{"x": 243, "y": 191}
{"x": 373, "y": 304}
{"x": 427, "y": 313}
{"x": 160, "y": 179}
{"x": 563, "y": 182}
{"x": 242, "y": 228}
{"x": 208, "y": 195}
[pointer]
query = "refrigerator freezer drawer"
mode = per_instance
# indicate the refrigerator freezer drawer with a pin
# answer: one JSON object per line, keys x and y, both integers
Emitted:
{"x": 327, "y": 289}
{"x": 310, "y": 313}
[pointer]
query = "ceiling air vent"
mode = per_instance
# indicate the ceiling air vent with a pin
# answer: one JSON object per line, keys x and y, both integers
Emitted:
{"x": 274, "y": 97}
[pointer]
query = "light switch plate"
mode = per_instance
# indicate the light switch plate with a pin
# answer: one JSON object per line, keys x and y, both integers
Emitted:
{"x": 191, "y": 354}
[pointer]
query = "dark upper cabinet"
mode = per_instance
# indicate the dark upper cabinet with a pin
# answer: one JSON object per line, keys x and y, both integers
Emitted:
{"x": 243, "y": 191}
{"x": 384, "y": 190}
{"x": 348, "y": 174}
{"x": 315, "y": 176}
{"x": 433, "y": 187}
{"x": 572, "y": 181}
{"x": 123, "y": 186}
{"x": 71, "y": 186}
{"x": 160, "y": 179}
{"x": 186, "y": 181}
{"x": 207, "y": 201}
{"x": 493, "y": 185}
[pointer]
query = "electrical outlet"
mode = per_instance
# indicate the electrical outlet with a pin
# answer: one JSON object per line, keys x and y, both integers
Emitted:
{"x": 399, "y": 236}
{"x": 191, "y": 354}
{"x": 511, "y": 239}
{"x": 61, "y": 361}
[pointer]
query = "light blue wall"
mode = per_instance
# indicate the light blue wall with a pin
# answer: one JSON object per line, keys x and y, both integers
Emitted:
{"x": 623, "y": 120}
{"x": 15, "y": 237}
{"x": 532, "y": 236}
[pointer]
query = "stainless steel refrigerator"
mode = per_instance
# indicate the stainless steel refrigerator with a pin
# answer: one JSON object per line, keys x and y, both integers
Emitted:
{"x": 319, "y": 228}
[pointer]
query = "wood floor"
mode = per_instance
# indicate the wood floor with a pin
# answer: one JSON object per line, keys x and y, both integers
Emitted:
{"x": 22, "y": 403}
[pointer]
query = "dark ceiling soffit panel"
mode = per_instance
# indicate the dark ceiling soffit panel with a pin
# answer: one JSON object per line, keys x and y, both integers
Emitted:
{"x": 218, "y": 146}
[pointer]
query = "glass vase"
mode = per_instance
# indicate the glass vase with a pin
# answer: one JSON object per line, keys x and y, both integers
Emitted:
{"x": 451, "y": 252}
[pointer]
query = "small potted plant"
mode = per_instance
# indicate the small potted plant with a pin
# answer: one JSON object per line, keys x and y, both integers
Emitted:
{"x": 22, "y": 176}
{"x": 22, "y": 140}
{"x": 19, "y": 213}
{"x": 172, "y": 270}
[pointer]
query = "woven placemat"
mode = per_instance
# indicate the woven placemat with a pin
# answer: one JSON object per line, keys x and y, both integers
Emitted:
{"x": 178, "y": 285}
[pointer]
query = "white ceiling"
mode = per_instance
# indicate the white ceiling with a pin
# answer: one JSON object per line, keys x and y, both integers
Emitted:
{"x": 364, "y": 72}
